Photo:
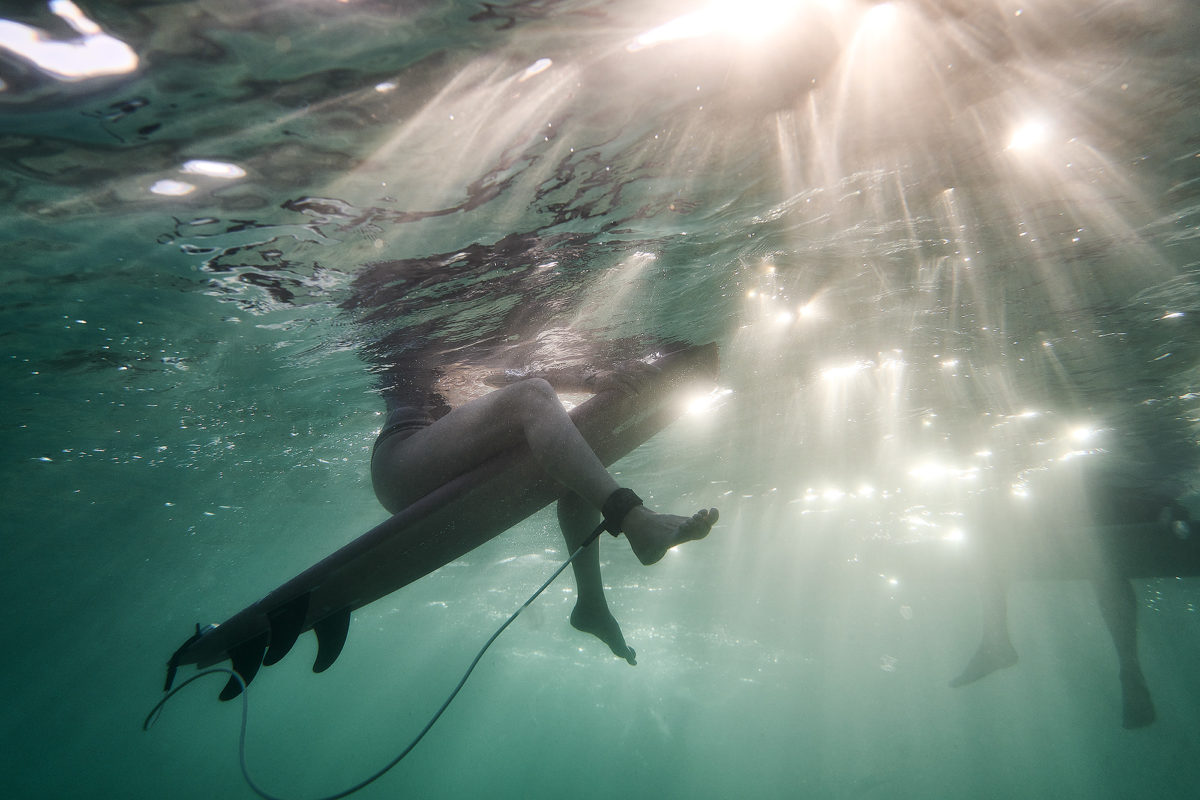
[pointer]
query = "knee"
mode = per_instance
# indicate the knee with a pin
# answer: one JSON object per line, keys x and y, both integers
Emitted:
{"x": 534, "y": 393}
{"x": 530, "y": 399}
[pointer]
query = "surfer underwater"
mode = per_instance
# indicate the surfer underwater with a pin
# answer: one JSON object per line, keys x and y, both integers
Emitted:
{"x": 476, "y": 439}
{"x": 502, "y": 455}
{"x": 424, "y": 444}
{"x": 431, "y": 369}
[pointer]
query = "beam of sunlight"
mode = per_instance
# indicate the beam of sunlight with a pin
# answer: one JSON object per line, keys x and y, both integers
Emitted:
{"x": 483, "y": 113}
{"x": 617, "y": 295}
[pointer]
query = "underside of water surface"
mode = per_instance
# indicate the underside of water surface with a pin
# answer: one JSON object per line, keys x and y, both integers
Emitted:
{"x": 949, "y": 251}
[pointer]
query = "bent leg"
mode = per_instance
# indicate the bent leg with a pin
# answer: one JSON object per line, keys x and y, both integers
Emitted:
{"x": 529, "y": 411}
{"x": 591, "y": 614}
{"x": 1118, "y": 606}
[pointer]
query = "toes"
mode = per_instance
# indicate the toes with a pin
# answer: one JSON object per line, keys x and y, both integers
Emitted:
{"x": 703, "y": 519}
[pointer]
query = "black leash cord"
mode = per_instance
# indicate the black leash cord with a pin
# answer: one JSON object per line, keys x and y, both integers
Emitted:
{"x": 152, "y": 717}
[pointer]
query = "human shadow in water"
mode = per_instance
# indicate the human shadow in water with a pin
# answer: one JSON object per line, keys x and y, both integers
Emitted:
{"x": 1133, "y": 532}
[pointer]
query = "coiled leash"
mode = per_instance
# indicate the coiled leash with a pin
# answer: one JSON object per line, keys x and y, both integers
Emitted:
{"x": 618, "y": 504}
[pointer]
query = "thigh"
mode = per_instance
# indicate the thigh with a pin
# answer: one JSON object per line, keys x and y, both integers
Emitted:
{"x": 407, "y": 468}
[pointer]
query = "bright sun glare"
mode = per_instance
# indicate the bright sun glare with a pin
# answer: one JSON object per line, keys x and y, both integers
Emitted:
{"x": 747, "y": 19}
{"x": 1029, "y": 135}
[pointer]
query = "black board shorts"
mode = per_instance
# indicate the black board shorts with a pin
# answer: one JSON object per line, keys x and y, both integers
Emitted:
{"x": 402, "y": 423}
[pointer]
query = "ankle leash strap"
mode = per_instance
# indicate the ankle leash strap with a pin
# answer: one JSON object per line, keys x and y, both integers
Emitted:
{"x": 618, "y": 504}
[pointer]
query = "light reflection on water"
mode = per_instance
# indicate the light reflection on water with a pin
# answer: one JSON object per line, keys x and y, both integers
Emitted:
{"x": 91, "y": 54}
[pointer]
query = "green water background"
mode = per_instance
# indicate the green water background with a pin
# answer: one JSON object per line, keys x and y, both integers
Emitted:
{"x": 177, "y": 441}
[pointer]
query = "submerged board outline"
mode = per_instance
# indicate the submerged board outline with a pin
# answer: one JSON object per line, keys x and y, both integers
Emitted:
{"x": 434, "y": 531}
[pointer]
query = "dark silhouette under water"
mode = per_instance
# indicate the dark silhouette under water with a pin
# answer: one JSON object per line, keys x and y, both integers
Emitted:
{"x": 423, "y": 359}
{"x": 1134, "y": 525}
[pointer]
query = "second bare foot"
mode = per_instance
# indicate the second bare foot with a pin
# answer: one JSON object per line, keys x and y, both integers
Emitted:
{"x": 603, "y": 625}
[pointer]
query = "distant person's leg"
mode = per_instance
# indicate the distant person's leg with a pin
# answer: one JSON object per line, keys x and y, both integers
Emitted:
{"x": 1118, "y": 606}
{"x": 995, "y": 649}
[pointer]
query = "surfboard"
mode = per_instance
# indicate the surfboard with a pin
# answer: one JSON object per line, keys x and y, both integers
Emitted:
{"x": 434, "y": 531}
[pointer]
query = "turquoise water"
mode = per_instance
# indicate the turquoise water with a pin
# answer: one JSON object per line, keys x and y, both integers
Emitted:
{"x": 949, "y": 251}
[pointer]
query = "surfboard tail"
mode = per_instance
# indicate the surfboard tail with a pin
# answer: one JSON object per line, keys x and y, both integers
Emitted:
{"x": 267, "y": 647}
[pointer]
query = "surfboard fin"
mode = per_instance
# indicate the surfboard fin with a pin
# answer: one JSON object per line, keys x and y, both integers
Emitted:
{"x": 247, "y": 658}
{"x": 331, "y": 635}
{"x": 287, "y": 621}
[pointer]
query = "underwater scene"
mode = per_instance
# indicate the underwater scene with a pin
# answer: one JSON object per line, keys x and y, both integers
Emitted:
{"x": 949, "y": 254}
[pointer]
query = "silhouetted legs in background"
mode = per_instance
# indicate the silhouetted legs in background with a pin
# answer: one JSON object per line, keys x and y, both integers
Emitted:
{"x": 1118, "y": 607}
{"x": 996, "y": 649}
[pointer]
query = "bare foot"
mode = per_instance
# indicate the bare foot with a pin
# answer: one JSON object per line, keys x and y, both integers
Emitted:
{"x": 651, "y": 535}
{"x": 601, "y": 624}
{"x": 987, "y": 659}
{"x": 1137, "y": 708}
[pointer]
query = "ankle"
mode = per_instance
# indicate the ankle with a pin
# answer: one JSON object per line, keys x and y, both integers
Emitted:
{"x": 590, "y": 606}
{"x": 1132, "y": 675}
{"x": 618, "y": 508}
